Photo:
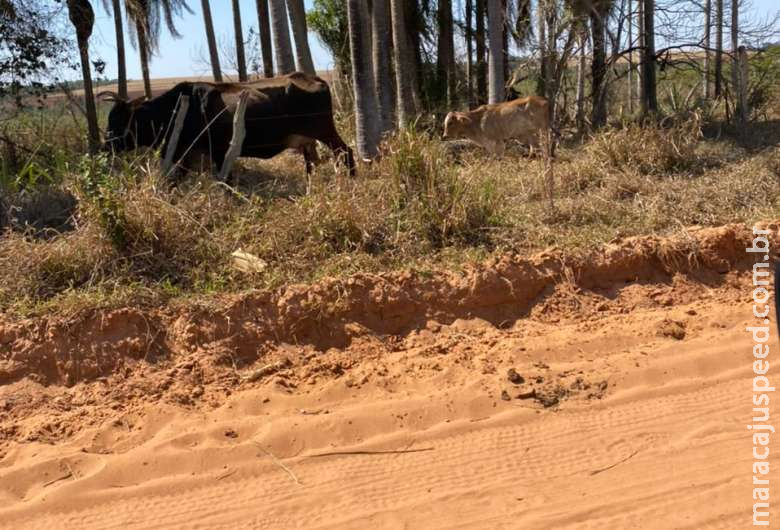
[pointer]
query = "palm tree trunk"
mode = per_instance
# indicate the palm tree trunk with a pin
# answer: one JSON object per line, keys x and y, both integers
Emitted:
{"x": 469, "y": 36}
{"x": 380, "y": 17}
{"x": 216, "y": 70}
{"x": 718, "y": 48}
{"x": 541, "y": 21}
{"x": 481, "y": 51}
{"x": 582, "y": 64}
{"x": 264, "y": 31}
{"x": 640, "y": 38}
{"x": 495, "y": 52}
{"x": 630, "y": 72}
{"x": 598, "y": 70}
{"x": 403, "y": 73}
{"x": 650, "y": 100}
{"x": 143, "y": 52}
{"x": 707, "y": 45}
{"x": 505, "y": 40}
{"x": 281, "y": 37}
{"x": 412, "y": 21}
{"x": 239, "y": 34}
{"x": 300, "y": 35}
{"x": 445, "y": 60}
{"x": 83, "y": 19}
{"x": 735, "y": 66}
{"x": 366, "y": 127}
{"x": 120, "y": 50}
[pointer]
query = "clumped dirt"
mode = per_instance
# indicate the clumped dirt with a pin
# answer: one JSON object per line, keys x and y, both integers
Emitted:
{"x": 531, "y": 335}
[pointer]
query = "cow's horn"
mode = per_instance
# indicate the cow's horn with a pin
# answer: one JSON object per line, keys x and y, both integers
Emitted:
{"x": 137, "y": 101}
{"x": 107, "y": 95}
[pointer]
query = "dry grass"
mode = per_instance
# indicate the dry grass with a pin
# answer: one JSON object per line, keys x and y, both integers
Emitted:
{"x": 134, "y": 238}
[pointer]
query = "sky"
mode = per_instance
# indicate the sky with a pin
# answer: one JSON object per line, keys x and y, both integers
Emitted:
{"x": 185, "y": 56}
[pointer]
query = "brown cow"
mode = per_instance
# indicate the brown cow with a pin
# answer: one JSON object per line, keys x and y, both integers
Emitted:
{"x": 492, "y": 125}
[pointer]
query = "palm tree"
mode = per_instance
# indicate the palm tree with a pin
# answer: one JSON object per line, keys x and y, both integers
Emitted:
{"x": 718, "y": 48}
{"x": 598, "y": 15}
{"x": 121, "y": 64}
{"x": 445, "y": 60}
{"x": 264, "y": 31}
{"x": 146, "y": 15}
{"x": 469, "y": 11}
{"x": 544, "y": 66}
{"x": 480, "y": 49}
{"x": 380, "y": 15}
{"x": 736, "y": 81}
{"x": 649, "y": 97}
{"x": 83, "y": 19}
{"x": 301, "y": 36}
{"x": 216, "y": 71}
{"x": 495, "y": 52}
{"x": 281, "y": 36}
{"x": 366, "y": 127}
{"x": 239, "y": 34}
{"x": 707, "y": 44}
{"x": 403, "y": 71}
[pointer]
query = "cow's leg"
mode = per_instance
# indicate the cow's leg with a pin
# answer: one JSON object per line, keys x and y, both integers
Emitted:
{"x": 343, "y": 153}
{"x": 310, "y": 156}
{"x": 498, "y": 148}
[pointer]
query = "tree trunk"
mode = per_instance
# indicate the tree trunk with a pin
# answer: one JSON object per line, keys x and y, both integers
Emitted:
{"x": 83, "y": 19}
{"x": 469, "y": 54}
{"x": 216, "y": 70}
{"x": 481, "y": 51}
{"x": 366, "y": 127}
{"x": 264, "y": 31}
{"x": 301, "y": 36}
{"x": 598, "y": 70}
{"x": 707, "y": 45}
{"x": 640, "y": 39}
{"x": 541, "y": 21}
{"x": 736, "y": 82}
{"x": 650, "y": 100}
{"x": 495, "y": 52}
{"x": 120, "y": 50}
{"x": 281, "y": 36}
{"x": 380, "y": 18}
{"x": 143, "y": 52}
{"x": 505, "y": 41}
{"x": 403, "y": 74}
{"x": 630, "y": 73}
{"x": 412, "y": 21}
{"x": 582, "y": 65}
{"x": 445, "y": 60}
{"x": 239, "y": 34}
{"x": 718, "y": 48}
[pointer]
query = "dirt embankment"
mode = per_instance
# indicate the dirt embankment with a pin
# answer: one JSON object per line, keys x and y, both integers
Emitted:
{"x": 240, "y": 330}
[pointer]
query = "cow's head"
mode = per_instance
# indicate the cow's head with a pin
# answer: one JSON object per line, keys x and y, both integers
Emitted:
{"x": 123, "y": 132}
{"x": 455, "y": 125}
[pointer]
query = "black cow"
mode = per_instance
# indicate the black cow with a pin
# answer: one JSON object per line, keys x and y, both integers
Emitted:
{"x": 290, "y": 111}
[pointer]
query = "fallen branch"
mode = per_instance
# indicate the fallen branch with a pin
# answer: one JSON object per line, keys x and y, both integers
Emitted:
{"x": 596, "y": 472}
{"x": 63, "y": 477}
{"x": 279, "y": 463}
{"x": 390, "y": 452}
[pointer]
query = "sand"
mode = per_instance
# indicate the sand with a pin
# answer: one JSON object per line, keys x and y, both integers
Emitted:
{"x": 604, "y": 391}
